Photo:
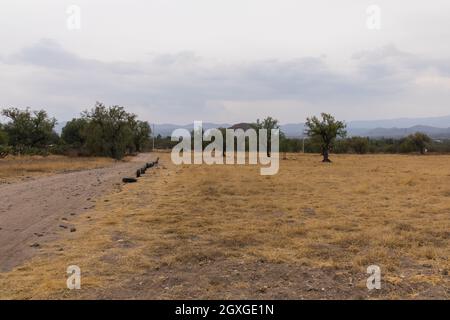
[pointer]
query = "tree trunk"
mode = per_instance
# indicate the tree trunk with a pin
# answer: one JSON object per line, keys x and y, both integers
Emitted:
{"x": 325, "y": 154}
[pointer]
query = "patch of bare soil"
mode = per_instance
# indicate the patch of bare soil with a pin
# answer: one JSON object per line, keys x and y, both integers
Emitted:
{"x": 259, "y": 280}
{"x": 33, "y": 212}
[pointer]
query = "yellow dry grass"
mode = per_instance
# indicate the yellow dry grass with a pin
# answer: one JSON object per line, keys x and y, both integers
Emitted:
{"x": 227, "y": 232}
{"x": 15, "y": 168}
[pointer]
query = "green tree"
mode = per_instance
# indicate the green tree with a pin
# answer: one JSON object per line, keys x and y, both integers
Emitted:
{"x": 3, "y": 136}
{"x": 109, "y": 131}
{"x": 4, "y": 149}
{"x": 420, "y": 141}
{"x": 326, "y": 130}
{"x": 268, "y": 123}
{"x": 141, "y": 134}
{"x": 26, "y": 128}
{"x": 74, "y": 132}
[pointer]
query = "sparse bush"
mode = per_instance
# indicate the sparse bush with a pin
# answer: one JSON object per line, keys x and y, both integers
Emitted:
{"x": 295, "y": 145}
{"x": 406, "y": 145}
{"x": 341, "y": 146}
{"x": 164, "y": 142}
{"x": 359, "y": 145}
{"x": 29, "y": 131}
{"x": 362, "y": 145}
{"x": 420, "y": 141}
{"x": 313, "y": 145}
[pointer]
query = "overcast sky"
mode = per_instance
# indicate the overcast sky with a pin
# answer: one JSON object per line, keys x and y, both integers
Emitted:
{"x": 177, "y": 61}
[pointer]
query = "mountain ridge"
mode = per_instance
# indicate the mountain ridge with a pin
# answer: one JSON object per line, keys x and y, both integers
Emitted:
{"x": 436, "y": 127}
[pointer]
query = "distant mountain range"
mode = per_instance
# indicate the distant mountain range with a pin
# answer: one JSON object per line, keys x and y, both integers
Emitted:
{"x": 437, "y": 127}
{"x": 167, "y": 129}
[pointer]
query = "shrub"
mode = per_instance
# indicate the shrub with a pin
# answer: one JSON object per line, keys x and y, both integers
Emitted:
{"x": 359, "y": 145}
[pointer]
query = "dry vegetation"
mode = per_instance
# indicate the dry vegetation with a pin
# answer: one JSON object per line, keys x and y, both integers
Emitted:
{"x": 227, "y": 232}
{"x": 14, "y": 168}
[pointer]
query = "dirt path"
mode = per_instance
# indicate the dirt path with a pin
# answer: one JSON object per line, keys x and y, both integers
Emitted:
{"x": 32, "y": 212}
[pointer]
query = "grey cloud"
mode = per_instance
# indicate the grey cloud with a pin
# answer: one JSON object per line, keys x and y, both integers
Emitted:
{"x": 389, "y": 60}
{"x": 184, "y": 83}
{"x": 49, "y": 54}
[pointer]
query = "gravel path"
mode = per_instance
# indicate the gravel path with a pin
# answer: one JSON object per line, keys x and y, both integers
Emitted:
{"x": 32, "y": 212}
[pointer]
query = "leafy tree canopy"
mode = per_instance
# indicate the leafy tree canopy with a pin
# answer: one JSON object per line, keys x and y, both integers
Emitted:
{"x": 326, "y": 129}
{"x": 28, "y": 128}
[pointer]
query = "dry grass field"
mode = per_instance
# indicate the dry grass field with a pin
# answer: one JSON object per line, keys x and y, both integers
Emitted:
{"x": 228, "y": 232}
{"x": 14, "y": 168}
